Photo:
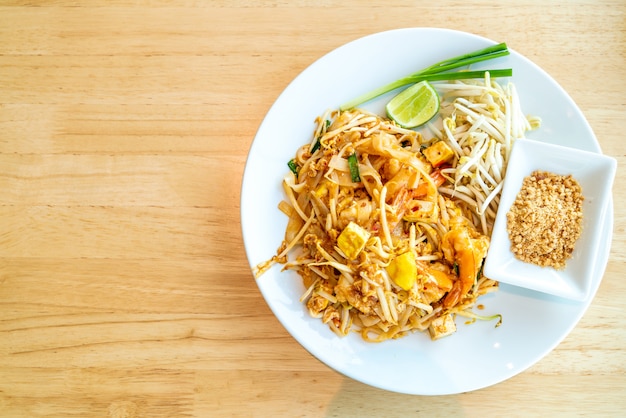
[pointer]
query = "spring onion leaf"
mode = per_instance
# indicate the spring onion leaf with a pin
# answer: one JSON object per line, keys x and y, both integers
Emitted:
{"x": 491, "y": 52}
{"x": 437, "y": 72}
{"x": 316, "y": 146}
{"x": 293, "y": 166}
{"x": 353, "y": 163}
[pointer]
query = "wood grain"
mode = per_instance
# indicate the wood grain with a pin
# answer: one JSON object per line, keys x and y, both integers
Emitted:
{"x": 124, "y": 129}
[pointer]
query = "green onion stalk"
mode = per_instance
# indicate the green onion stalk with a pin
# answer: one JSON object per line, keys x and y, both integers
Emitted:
{"x": 439, "y": 72}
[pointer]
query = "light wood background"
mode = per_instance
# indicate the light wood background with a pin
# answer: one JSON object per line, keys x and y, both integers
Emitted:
{"x": 124, "y": 129}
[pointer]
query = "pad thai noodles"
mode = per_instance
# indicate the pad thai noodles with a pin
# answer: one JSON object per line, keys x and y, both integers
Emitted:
{"x": 389, "y": 229}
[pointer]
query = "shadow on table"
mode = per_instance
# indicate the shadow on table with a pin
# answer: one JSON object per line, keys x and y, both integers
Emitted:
{"x": 355, "y": 399}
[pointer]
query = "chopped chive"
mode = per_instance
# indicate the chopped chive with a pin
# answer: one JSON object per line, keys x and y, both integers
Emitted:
{"x": 316, "y": 146}
{"x": 353, "y": 163}
{"x": 293, "y": 166}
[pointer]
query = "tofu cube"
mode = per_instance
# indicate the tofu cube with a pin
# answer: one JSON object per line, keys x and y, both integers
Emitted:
{"x": 438, "y": 153}
{"x": 442, "y": 327}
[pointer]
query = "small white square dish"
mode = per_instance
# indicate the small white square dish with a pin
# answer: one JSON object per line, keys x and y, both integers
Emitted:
{"x": 595, "y": 173}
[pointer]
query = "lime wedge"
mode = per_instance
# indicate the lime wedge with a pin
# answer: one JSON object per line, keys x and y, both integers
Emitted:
{"x": 414, "y": 106}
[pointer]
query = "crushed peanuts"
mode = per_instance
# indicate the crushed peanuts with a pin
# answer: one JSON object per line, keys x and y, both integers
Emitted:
{"x": 545, "y": 220}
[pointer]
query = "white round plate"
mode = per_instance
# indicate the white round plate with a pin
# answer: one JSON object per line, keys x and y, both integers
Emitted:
{"x": 477, "y": 355}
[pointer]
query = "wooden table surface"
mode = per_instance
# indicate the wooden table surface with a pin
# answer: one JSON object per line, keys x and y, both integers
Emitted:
{"x": 124, "y": 129}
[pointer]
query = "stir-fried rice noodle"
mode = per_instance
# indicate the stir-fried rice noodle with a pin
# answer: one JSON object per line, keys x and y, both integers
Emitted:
{"x": 400, "y": 248}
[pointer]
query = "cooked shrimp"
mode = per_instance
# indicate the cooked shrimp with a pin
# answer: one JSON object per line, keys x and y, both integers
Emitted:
{"x": 468, "y": 253}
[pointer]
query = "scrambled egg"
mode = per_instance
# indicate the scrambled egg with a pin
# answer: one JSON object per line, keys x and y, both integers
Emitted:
{"x": 403, "y": 270}
{"x": 352, "y": 240}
